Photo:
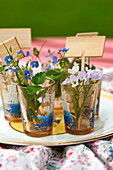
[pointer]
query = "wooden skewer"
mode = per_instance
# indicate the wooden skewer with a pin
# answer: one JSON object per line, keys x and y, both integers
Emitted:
{"x": 83, "y": 60}
{"x": 82, "y": 69}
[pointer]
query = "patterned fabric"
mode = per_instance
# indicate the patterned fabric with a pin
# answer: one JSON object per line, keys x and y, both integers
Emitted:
{"x": 90, "y": 156}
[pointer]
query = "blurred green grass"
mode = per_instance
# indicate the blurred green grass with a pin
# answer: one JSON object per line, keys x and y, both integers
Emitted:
{"x": 58, "y": 18}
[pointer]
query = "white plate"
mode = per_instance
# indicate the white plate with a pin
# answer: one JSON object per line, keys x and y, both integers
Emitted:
{"x": 103, "y": 128}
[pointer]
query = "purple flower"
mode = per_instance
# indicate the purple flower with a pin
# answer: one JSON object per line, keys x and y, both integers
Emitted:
{"x": 19, "y": 51}
{"x": 55, "y": 62}
{"x": 34, "y": 64}
{"x": 8, "y": 59}
{"x": 66, "y": 81}
{"x": 89, "y": 72}
{"x": 82, "y": 75}
{"x": 27, "y": 54}
{"x": 13, "y": 69}
{"x": 27, "y": 74}
{"x": 96, "y": 75}
{"x": 86, "y": 80}
{"x": 48, "y": 67}
{"x": 49, "y": 54}
{"x": 111, "y": 151}
{"x": 104, "y": 76}
{"x": 74, "y": 70}
{"x": 74, "y": 80}
{"x": 54, "y": 58}
{"x": 64, "y": 50}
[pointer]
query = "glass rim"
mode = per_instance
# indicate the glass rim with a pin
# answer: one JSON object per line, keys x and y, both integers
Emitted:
{"x": 48, "y": 78}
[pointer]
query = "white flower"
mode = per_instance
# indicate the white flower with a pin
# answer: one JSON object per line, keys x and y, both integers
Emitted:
{"x": 74, "y": 80}
{"x": 66, "y": 81}
{"x": 74, "y": 69}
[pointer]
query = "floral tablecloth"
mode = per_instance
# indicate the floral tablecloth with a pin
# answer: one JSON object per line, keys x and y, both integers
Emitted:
{"x": 94, "y": 155}
{"x": 89, "y": 156}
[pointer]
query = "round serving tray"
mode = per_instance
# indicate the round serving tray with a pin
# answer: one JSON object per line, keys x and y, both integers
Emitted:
{"x": 9, "y": 133}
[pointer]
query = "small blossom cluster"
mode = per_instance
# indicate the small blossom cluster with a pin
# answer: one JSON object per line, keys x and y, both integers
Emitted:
{"x": 55, "y": 59}
{"x": 12, "y": 64}
{"x": 76, "y": 77}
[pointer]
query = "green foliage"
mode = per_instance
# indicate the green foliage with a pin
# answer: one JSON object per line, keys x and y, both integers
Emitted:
{"x": 31, "y": 89}
{"x": 39, "y": 78}
{"x": 56, "y": 74}
{"x": 10, "y": 49}
{"x": 87, "y": 66}
{"x": 41, "y": 93}
{"x": 64, "y": 63}
{"x": 36, "y": 52}
{"x": 79, "y": 91}
{"x": 62, "y": 75}
{"x": 25, "y": 93}
{"x": 2, "y": 68}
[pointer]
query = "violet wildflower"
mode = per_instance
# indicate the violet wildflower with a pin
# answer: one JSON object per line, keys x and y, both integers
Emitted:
{"x": 104, "y": 76}
{"x": 13, "y": 69}
{"x": 8, "y": 59}
{"x": 82, "y": 75}
{"x": 19, "y": 51}
{"x": 49, "y": 54}
{"x": 86, "y": 80}
{"x": 89, "y": 72}
{"x": 48, "y": 67}
{"x": 96, "y": 75}
{"x": 27, "y": 54}
{"x": 66, "y": 81}
{"x": 34, "y": 64}
{"x": 27, "y": 74}
{"x": 64, "y": 50}
{"x": 74, "y": 80}
{"x": 74, "y": 69}
{"x": 55, "y": 60}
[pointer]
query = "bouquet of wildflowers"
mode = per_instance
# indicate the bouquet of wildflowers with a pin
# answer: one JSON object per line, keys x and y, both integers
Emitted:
{"x": 23, "y": 76}
{"x": 57, "y": 68}
{"x": 80, "y": 85}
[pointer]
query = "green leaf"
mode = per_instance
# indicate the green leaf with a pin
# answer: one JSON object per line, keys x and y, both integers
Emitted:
{"x": 38, "y": 103}
{"x": 33, "y": 89}
{"x": 32, "y": 116}
{"x": 62, "y": 75}
{"x": 2, "y": 68}
{"x": 64, "y": 63}
{"x": 27, "y": 95}
{"x": 93, "y": 67}
{"x": 39, "y": 78}
{"x": 10, "y": 49}
{"x": 53, "y": 72}
{"x": 36, "y": 52}
{"x": 41, "y": 93}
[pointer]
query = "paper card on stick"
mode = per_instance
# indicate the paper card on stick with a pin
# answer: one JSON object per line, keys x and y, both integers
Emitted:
{"x": 13, "y": 43}
{"x": 92, "y": 45}
{"x": 23, "y": 35}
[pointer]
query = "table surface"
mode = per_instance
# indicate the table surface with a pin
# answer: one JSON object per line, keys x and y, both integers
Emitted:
{"x": 93, "y": 155}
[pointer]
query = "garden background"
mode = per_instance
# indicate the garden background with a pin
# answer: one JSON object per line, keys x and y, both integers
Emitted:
{"x": 49, "y": 18}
